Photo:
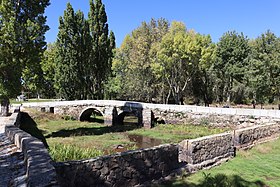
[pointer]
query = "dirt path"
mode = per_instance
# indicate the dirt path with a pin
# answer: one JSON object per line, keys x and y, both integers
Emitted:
{"x": 12, "y": 169}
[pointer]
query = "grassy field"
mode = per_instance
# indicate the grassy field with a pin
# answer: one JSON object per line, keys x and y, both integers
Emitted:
{"x": 70, "y": 140}
{"x": 169, "y": 133}
{"x": 258, "y": 167}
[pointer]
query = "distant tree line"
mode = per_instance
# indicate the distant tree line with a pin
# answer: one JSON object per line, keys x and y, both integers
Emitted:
{"x": 158, "y": 62}
{"x": 167, "y": 63}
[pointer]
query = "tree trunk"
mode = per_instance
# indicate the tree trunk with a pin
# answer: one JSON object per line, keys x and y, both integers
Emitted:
{"x": 167, "y": 98}
{"x": 5, "y": 106}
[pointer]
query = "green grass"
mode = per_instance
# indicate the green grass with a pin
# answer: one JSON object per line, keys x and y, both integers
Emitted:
{"x": 169, "y": 133}
{"x": 258, "y": 167}
{"x": 60, "y": 152}
{"x": 97, "y": 139}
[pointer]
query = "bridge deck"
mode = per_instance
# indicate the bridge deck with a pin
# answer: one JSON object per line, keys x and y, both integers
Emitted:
{"x": 178, "y": 108}
{"x": 12, "y": 169}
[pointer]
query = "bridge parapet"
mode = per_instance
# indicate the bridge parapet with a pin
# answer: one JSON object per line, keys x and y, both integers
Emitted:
{"x": 114, "y": 111}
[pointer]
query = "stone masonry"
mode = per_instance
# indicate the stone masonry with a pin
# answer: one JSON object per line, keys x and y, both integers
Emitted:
{"x": 248, "y": 137}
{"x": 39, "y": 170}
{"x": 124, "y": 169}
{"x": 206, "y": 151}
{"x": 112, "y": 110}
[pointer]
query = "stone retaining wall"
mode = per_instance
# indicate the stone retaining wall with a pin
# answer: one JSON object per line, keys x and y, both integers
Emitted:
{"x": 211, "y": 119}
{"x": 40, "y": 171}
{"x": 124, "y": 169}
{"x": 206, "y": 151}
{"x": 248, "y": 137}
{"x": 137, "y": 167}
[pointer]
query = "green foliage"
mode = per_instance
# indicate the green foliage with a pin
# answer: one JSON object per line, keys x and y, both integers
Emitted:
{"x": 185, "y": 58}
{"x": 67, "y": 117}
{"x": 22, "y": 29}
{"x": 70, "y": 53}
{"x": 155, "y": 63}
{"x": 103, "y": 44}
{"x": 132, "y": 66}
{"x": 84, "y": 53}
{"x": 231, "y": 65}
{"x": 48, "y": 67}
{"x": 174, "y": 133}
{"x": 165, "y": 61}
{"x": 174, "y": 61}
{"x": 264, "y": 68}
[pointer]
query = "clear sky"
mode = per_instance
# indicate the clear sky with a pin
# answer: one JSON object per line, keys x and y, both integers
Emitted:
{"x": 214, "y": 17}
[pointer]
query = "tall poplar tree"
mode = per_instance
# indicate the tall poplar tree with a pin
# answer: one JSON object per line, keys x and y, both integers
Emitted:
{"x": 84, "y": 43}
{"x": 22, "y": 30}
{"x": 102, "y": 46}
{"x": 84, "y": 54}
{"x": 73, "y": 54}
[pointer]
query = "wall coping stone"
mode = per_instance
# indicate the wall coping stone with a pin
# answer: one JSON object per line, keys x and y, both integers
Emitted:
{"x": 39, "y": 165}
{"x": 209, "y": 137}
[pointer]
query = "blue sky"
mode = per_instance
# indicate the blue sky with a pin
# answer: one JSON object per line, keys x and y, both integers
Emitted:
{"x": 215, "y": 17}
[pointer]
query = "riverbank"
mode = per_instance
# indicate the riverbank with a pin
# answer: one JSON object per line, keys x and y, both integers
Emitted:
{"x": 72, "y": 140}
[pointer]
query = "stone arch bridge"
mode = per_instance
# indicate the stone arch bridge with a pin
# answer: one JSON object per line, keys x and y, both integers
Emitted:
{"x": 114, "y": 111}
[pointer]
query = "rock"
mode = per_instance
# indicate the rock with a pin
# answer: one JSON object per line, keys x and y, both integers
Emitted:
{"x": 98, "y": 164}
{"x": 105, "y": 170}
{"x": 128, "y": 173}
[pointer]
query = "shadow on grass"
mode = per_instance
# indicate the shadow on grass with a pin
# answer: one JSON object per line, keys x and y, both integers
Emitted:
{"x": 93, "y": 131}
{"x": 219, "y": 180}
{"x": 96, "y": 120}
{"x": 28, "y": 125}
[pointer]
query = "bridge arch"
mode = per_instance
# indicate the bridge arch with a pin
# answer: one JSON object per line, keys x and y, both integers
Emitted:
{"x": 87, "y": 113}
{"x": 134, "y": 113}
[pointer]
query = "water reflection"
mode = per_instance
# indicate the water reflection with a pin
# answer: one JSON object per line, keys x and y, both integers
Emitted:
{"x": 139, "y": 142}
{"x": 143, "y": 141}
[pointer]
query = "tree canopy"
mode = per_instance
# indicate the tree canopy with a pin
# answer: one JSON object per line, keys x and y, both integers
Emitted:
{"x": 176, "y": 64}
{"x": 158, "y": 61}
{"x": 84, "y": 53}
{"x": 22, "y": 30}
